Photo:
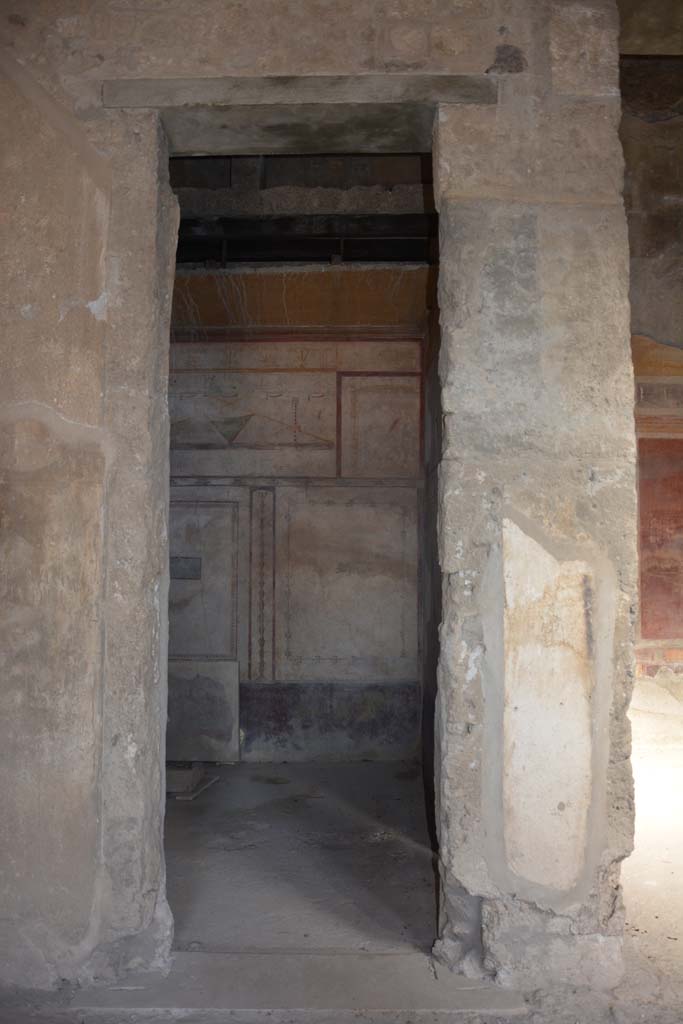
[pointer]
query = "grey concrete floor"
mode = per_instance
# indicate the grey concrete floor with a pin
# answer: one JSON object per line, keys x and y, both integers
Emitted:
{"x": 303, "y": 858}
{"x": 303, "y": 892}
{"x": 363, "y": 848}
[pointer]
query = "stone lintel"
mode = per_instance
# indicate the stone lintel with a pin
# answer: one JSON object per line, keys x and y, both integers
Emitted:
{"x": 171, "y": 93}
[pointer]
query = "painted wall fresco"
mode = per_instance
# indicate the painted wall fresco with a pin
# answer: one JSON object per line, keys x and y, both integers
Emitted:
{"x": 296, "y": 464}
{"x": 661, "y": 538}
{"x": 659, "y": 423}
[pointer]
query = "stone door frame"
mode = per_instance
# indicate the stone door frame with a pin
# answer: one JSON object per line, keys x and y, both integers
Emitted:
{"x": 513, "y": 225}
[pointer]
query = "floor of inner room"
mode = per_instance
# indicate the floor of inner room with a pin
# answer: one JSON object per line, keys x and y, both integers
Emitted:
{"x": 301, "y": 858}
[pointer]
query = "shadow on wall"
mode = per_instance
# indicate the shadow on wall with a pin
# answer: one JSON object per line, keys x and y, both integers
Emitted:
{"x": 431, "y": 580}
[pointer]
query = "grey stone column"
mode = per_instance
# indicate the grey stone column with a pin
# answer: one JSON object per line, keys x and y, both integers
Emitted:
{"x": 537, "y": 517}
{"x": 84, "y": 474}
{"x": 54, "y": 454}
{"x": 135, "y": 923}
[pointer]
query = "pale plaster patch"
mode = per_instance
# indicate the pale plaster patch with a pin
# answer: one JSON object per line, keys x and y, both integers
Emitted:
{"x": 98, "y": 306}
{"x": 29, "y": 418}
{"x": 547, "y": 755}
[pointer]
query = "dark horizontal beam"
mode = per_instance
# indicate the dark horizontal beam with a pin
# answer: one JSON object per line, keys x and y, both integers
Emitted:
{"x": 312, "y": 226}
{"x": 221, "y": 251}
{"x": 314, "y": 238}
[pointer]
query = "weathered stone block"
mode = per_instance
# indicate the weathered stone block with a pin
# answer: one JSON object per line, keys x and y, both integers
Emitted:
{"x": 532, "y": 950}
{"x": 561, "y": 149}
{"x": 528, "y": 283}
{"x": 583, "y": 49}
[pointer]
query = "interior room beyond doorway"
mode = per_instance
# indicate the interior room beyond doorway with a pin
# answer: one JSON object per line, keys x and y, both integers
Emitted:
{"x": 304, "y": 592}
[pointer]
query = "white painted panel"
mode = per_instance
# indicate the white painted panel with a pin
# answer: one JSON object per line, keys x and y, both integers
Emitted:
{"x": 547, "y": 711}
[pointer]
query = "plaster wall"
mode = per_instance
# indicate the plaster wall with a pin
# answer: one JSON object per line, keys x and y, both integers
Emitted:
{"x": 538, "y": 433}
{"x": 296, "y": 470}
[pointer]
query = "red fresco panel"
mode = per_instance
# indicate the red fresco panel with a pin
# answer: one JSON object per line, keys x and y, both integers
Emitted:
{"x": 660, "y": 462}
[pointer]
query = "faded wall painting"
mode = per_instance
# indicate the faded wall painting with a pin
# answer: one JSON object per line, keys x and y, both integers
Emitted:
{"x": 296, "y": 465}
{"x": 659, "y": 425}
{"x": 346, "y": 584}
{"x": 253, "y": 423}
{"x": 661, "y": 537}
{"x": 379, "y": 414}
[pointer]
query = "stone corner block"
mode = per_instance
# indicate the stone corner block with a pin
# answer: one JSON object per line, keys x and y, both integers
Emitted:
{"x": 562, "y": 149}
{"x": 584, "y": 50}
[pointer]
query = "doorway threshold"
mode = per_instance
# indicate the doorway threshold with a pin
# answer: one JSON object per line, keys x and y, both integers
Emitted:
{"x": 260, "y": 985}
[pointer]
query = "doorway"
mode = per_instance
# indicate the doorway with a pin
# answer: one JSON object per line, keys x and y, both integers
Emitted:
{"x": 304, "y": 596}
